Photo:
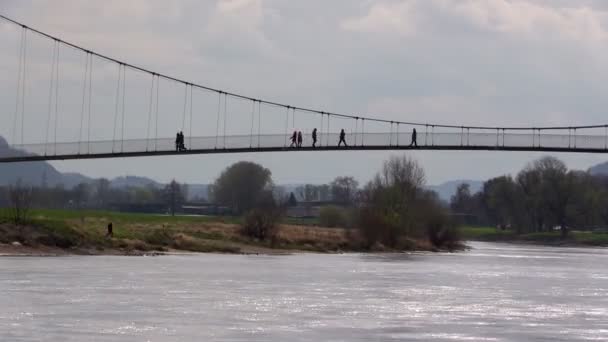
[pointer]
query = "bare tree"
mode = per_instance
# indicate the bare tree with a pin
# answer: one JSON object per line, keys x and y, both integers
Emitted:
{"x": 20, "y": 198}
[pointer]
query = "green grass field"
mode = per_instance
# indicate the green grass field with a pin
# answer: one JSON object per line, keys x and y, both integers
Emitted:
{"x": 491, "y": 234}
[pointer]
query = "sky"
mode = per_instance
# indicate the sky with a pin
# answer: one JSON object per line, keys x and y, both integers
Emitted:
{"x": 464, "y": 62}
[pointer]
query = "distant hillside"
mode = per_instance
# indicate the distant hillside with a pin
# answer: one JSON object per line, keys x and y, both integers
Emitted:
{"x": 33, "y": 173}
{"x": 599, "y": 169}
{"x": 133, "y": 181}
{"x": 448, "y": 189}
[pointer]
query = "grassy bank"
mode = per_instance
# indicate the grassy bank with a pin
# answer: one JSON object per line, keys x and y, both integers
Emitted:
{"x": 575, "y": 238}
{"x": 83, "y": 232}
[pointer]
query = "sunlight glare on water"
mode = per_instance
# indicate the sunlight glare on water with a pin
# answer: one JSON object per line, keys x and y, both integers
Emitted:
{"x": 491, "y": 293}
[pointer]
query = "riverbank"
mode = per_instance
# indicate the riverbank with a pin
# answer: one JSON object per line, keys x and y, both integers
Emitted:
{"x": 62, "y": 232}
{"x": 574, "y": 238}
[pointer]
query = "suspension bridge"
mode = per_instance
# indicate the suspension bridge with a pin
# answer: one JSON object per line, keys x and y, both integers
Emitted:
{"x": 83, "y": 104}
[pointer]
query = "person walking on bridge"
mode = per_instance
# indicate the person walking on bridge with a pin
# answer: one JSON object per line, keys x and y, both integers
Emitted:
{"x": 177, "y": 142}
{"x": 300, "y": 139}
{"x": 182, "y": 146}
{"x": 414, "y": 138}
{"x": 294, "y": 139}
{"x": 314, "y": 137}
{"x": 342, "y": 138}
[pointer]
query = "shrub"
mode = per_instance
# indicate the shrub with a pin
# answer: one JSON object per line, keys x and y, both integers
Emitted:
{"x": 443, "y": 233}
{"x": 261, "y": 224}
{"x": 332, "y": 216}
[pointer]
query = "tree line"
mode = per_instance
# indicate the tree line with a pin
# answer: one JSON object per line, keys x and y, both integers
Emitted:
{"x": 544, "y": 196}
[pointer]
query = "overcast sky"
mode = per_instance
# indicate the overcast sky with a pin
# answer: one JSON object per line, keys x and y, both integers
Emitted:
{"x": 478, "y": 62}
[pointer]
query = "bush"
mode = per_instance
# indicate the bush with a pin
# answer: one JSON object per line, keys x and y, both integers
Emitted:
{"x": 261, "y": 224}
{"x": 332, "y": 216}
{"x": 376, "y": 227}
{"x": 159, "y": 237}
{"x": 443, "y": 233}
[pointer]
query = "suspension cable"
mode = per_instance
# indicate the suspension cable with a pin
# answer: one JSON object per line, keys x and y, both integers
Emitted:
{"x": 185, "y": 104}
{"x": 259, "y": 121}
{"x": 225, "y": 115}
{"x": 117, "y": 105}
{"x": 217, "y": 121}
{"x": 156, "y": 113}
{"x": 23, "y": 86}
{"x": 286, "y": 128}
{"x": 19, "y": 81}
{"x": 191, "y": 113}
{"x": 356, "y": 129}
{"x": 122, "y": 131}
{"x": 150, "y": 107}
{"x": 252, "y": 122}
{"x": 309, "y": 110}
{"x": 90, "y": 103}
{"x": 84, "y": 93}
{"x": 57, "y": 97}
{"x": 50, "y": 103}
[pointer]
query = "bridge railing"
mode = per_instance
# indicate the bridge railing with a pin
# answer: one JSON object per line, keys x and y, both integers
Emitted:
{"x": 424, "y": 139}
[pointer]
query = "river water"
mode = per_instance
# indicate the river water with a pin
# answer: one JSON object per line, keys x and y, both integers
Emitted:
{"x": 494, "y": 292}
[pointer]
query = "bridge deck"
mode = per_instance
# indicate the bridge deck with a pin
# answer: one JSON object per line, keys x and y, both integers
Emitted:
{"x": 326, "y": 142}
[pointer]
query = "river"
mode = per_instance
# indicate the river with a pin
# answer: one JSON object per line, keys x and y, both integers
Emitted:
{"x": 494, "y": 292}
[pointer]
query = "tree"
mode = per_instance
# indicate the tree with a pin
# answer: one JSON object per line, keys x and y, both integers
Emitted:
{"x": 388, "y": 208}
{"x": 292, "y": 202}
{"x": 102, "y": 191}
{"x": 343, "y": 189}
{"x": 20, "y": 199}
{"x": 241, "y": 185}
{"x": 174, "y": 196}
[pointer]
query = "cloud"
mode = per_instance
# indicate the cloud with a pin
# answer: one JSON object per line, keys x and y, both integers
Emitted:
{"x": 519, "y": 18}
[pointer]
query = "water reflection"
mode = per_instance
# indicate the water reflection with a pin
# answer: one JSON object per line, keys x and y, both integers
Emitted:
{"x": 491, "y": 293}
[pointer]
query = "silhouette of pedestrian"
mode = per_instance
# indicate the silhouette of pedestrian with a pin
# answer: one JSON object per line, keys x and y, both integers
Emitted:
{"x": 342, "y": 138}
{"x": 110, "y": 232}
{"x": 314, "y": 137}
{"x": 177, "y": 141}
{"x": 414, "y": 137}
{"x": 300, "y": 139}
{"x": 294, "y": 139}
{"x": 182, "y": 146}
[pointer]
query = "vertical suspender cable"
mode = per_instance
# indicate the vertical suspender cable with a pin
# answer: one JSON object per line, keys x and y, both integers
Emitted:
{"x": 156, "y": 113}
{"x": 259, "y": 121}
{"x": 19, "y": 78}
{"x": 286, "y": 127}
{"x": 50, "y": 103}
{"x": 225, "y": 115}
{"x": 191, "y": 111}
{"x": 321, "y": 131}
{"x": 117, "y": 104}
{"x": 184, "y": 111}
{"x": 328, "y": 129}
{"x": 150, "y": 112}
{"x": 252, "y": 121}
{"x": 397, "y": 133}
{"x": 56, "y": 97}
{"x": 23, "y": 85}
{"x": 84, "y": 97}
{"x": 90, "y": 103}
{"x": 122, "y": 131}
{"x": 217, "y": 121}
{"x": 363, "y": 132}
{"x": 356, "y": 129}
